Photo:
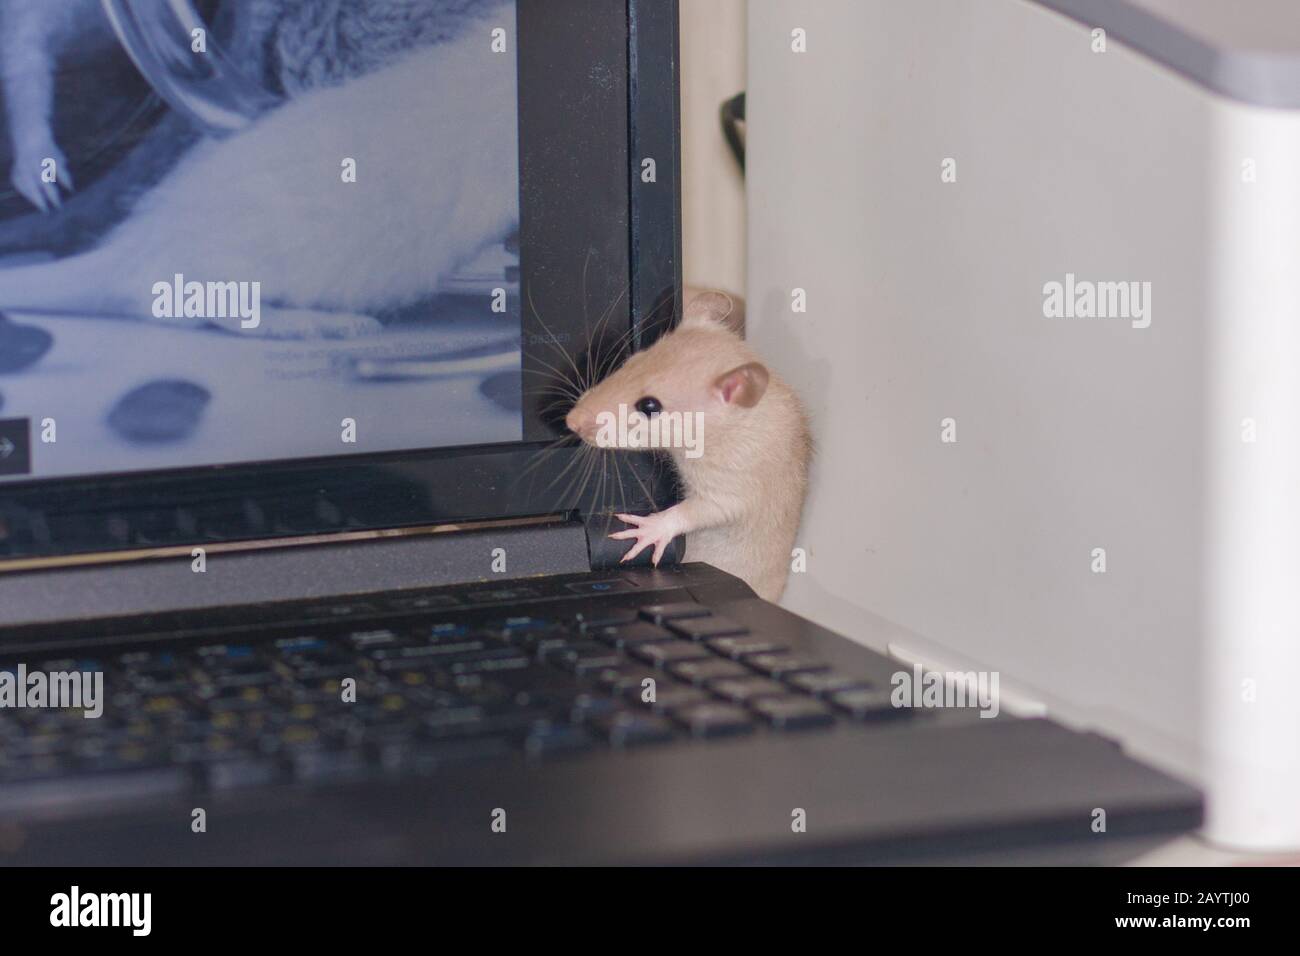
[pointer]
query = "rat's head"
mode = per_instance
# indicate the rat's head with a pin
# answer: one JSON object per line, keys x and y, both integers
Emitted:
{"x": 701, "y": 368}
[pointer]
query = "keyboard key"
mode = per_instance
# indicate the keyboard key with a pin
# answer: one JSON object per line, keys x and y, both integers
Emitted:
{"x": 423, "y": 602}
{"x": 714, "y": 720}
{"x": 198, "y": 742}
{"x": 552, "y": 651}
{"x": 80, "y": 789}
{"x": 305, "y": 645}
{"x": 318, "y": 765}
{"x": 163, "y": 706}
{"x": 445, "y": 630}
{"x": 225, "y": 651}
{"x": 147, "y": 665}
{"x": 539, "y": 641}
{"x": 426, "y": 651}
{"x": 598, "y": 617}
{"x": 379, "y": 637}
{"x": 242, "y": 772}
{"x": 619, "y": 679}
{"x": 629, "y": 729}
{"x": 706, "y": 628}
{"x": 307, "y": 672}
{"x": 230, "y": 662}
{"x": 128, "y": 756}
{"x": 534, "y": 684}
{"x": 33, "y": 766}
{"x": 738, "y": 647}
{"x": 587, "y": 706}
{"x": 793, "y": 713}
{"x": 630, "y": 635}
{"x": 507, "y": 717}
{"x": 327, "y": 690}
{"x": 824, "y": 683}
{"x": 663, "y": 653}
{"x": 259, "y": 678}
{"x": 438, "y": 655}
{"x": 554, "y": 739}
{"x": 41, "y": 744}
{"x": 522, "y": 623}
{"x": 669, "y": 699}
{"x": 583, "y": 658}
{"x": 653, "y": 684}
{"x": 741, "y": 690}
{"x": 661, "y": 613}
{"x": 455, "y": 721}
{"x": 423, "y": 757}
{"x": 492, "y": 661}
{"x": 500, "y": 595}
{"x": 779, "y": 665}
{"x": 235, "y": 697}
{"x": 868, "y": 704}
{"x": 355, "y": 609}
{"x": 293, "y": 737}
{"x": 701, "y": 672}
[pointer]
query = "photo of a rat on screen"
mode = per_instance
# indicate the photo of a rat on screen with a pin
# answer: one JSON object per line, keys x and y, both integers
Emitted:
{"x": 323, "y": 217}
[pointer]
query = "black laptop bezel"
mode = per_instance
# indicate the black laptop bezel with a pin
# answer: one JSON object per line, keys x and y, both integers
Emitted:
{"x": 598, "y": 92}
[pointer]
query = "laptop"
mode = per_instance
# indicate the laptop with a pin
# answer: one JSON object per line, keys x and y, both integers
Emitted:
{"x": 334, "y": 587}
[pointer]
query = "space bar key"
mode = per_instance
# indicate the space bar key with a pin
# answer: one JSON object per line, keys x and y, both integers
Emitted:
{"x": 77, "y": 790}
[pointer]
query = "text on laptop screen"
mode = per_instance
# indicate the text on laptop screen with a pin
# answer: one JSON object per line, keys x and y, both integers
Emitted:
{"x": 269, "y": 231}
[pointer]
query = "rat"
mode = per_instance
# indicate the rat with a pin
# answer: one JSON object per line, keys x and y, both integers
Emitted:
{"x": 745, "y": 482}
{"x": 303, "y": 43}
{"x": 268, "y": 204}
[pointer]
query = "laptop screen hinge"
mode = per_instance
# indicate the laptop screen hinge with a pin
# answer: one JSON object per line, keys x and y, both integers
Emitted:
{"x": 312, "y": 568}
{"x": 606, "y": 553}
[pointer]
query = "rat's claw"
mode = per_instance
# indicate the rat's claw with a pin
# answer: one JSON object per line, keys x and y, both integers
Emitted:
{"x": 633, "y": 551}
{"x": 27, "y": 174}
{"x": 654, "y": 529}
{"x": 29, "y": 187}
{"x": 52, "y": 197}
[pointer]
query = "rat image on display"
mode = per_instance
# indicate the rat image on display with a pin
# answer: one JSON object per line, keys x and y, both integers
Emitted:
{"x": 249, "y": 205}
{"x": 744, "y": 485}
{"x": 314, "y": 193}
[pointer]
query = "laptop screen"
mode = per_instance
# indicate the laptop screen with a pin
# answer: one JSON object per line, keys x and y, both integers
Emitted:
{"x": 281, "y": 269}
{"x": 252, "y": 236}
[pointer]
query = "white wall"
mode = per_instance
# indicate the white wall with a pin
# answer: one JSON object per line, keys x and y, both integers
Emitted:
{"x": 925, "y": 302}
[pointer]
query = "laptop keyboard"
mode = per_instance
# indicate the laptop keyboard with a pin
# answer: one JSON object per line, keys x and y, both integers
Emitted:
{"x": 416, "y": 696}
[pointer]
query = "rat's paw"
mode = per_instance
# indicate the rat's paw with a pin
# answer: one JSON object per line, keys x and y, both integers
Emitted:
{"x": 27, "y": 176}
{"x": 657, "y": 530}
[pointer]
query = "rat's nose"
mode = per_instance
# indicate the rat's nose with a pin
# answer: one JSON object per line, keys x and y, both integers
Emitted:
{"x": 578, "y": 422}
{"x": 581, "y": 423}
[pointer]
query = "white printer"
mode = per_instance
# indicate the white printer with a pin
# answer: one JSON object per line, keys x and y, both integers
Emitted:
{"x": 1035, "y": 266}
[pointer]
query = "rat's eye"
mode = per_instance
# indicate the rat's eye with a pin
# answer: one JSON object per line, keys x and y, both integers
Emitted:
{"x": 649, "y": 406}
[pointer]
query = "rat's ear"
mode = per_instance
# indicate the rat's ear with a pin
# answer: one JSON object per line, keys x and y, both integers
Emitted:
{"x": 744, "y": 385}
{"x": 712, "y": 307}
